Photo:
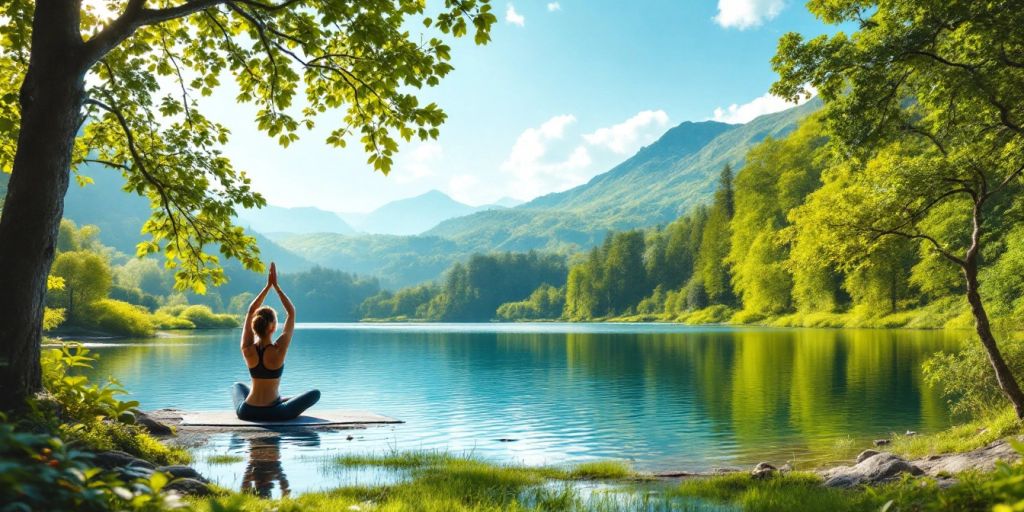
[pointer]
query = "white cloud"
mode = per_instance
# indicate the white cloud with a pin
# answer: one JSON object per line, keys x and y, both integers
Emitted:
{"x": 743, "y": 14}
{"x": 630, "y": 134}
{"x": 554, "y": 6}
{"x": 514, "y": 17}
{"x": 765, "y": 104}
{"x": 418, "y": 163}
{"x": 531, "y": 170}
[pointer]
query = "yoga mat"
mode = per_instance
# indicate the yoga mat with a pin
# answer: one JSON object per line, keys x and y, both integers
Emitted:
{"x": 310, "y": 419}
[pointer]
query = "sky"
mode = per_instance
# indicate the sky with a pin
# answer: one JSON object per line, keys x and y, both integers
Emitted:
{"x": 565, "y": 91}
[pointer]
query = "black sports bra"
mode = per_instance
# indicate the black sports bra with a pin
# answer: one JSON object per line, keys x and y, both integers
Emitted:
{"x": 262, "y": 372}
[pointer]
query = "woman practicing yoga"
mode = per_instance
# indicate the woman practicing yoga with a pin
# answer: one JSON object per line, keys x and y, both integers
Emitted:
{"x": 265, "y": 359}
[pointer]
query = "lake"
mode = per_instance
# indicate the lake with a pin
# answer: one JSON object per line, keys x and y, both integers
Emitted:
{"x": 665, "y": 397}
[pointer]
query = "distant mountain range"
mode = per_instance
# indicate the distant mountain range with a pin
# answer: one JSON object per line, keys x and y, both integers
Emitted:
{"x": 409, "y": 216}
{"x": 414, "y": 215}
{"x": 307, "y": 219}
{"x": 655, "y": 186}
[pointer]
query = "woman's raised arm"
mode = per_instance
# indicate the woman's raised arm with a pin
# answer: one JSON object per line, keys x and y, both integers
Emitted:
{"x": 248, "y": 337}
{"x": 289, "y": 325}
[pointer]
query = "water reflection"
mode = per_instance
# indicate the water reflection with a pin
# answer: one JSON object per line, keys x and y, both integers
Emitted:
{"x": 264, "y": 470}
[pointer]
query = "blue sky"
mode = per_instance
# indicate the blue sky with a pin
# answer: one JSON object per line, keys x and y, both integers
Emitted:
{"x": 565, "y": 91}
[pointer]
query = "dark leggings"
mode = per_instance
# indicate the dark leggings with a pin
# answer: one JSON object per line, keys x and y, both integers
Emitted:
{"x": 285, "y": 408}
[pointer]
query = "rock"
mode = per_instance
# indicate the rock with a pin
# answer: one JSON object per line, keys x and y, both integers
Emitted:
{"x": 763, "y": 470}
{"x": 866, "y": 454}
{"x": 983, "y": 459}
{"x": 152, "y": 425}
{"x": 189, "y": 487}
{"x": 115, "y": 459}
{"x": 879, "y": 468}
{"x": 910, "y": 433}
{"x": 180, "y": 471}
{"x": 882, "y": 442}
{"x": 786, "y": 468}
{"x": 507, "y": 440}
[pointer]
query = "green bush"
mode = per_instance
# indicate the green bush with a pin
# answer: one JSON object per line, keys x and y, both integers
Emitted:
{"x": 92, "y": 414}
{"x": 41, "y": 472}
{"x": 118, "y": 318}
{"x": 204, "y": 318}
{"x": 162, "y": 320}
{"x": 966, "y": 379}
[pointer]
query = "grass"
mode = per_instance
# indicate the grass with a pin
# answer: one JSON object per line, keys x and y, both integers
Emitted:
{"x": 224, "y": 458}
{"x": 601, "y": 470}
{"x": 804, "y": 491}
{"x": 960, "y": 438}
{"x": 443, "y": 482}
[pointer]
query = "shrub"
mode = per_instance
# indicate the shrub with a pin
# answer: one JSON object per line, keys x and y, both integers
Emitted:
{"x": 204, "y": 318}
{"x": 41, "y": 472}
{"x": 92, "y": 414}
{"x": 162, "y": 320}
{"x": 119, "y": 318}
{"x": 966, "y": 379}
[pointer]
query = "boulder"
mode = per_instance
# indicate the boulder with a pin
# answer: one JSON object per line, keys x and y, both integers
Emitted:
{"x": 115, "y": 459}
{"x": 189, "y": 487}
{"x": 153, "y": 426}
{"x": 763, "y": 470}
{"x": 180, "y": 471}
{"x": 983, "y": 459}
{"x": 876, "y": 469}
{"x": 865, "y": 455}
{"x": 882, "y": 442}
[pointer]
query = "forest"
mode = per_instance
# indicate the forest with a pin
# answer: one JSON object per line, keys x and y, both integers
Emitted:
{"x": 757, "y": 253}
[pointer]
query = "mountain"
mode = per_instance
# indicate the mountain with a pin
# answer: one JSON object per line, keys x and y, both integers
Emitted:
{"x": 412, "y": 215}
{"x": 654, "y": 186}
{"x": 120, "y": 216}
{"x": 396, "y": 261}
{"x": 507, "y": 202}
{"x": 277, "y": 219}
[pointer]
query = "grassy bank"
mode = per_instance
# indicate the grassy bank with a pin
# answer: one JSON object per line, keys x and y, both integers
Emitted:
{"x": 804, "y": 491}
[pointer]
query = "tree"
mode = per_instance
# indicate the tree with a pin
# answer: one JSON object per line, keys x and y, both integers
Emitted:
{"x": 924, "y": 104}
{"x": 86, "y": 277}
{"x": 80, "y": 86}
{"x": 715, "y": 243}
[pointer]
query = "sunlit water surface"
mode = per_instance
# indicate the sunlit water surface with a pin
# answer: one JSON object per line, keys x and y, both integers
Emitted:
{"x": 665, "y": 397}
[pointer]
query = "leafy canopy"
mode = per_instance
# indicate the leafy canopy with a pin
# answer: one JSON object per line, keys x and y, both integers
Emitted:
{"x": 925, "y": 107}
{"x": 355, "y": 64}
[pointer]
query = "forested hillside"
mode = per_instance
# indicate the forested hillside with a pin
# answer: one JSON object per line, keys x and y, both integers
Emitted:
{"x": 661, "y": 182}
{"x": 756, "y": 253}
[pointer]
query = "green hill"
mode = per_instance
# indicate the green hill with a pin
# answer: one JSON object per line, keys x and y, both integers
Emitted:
{"x": 658, "y": 184}
{"x": 120, "y": 216}
{"x": 397, "y": 261}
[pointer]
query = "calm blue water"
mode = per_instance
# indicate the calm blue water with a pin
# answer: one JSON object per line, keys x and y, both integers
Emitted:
{"x": 665, "y": 397}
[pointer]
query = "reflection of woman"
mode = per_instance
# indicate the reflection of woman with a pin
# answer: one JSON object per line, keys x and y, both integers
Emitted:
{"x": 264, "y": 467}
{"x": 265, "y": 359}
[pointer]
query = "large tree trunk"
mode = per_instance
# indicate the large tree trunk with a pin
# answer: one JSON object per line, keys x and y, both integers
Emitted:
{"x": 1007, "y": 382}
{"x": 51, "y": 101}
